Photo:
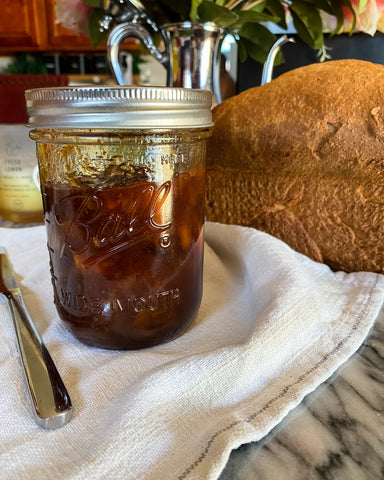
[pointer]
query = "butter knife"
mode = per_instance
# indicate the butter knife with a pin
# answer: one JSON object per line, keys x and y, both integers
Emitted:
{"x": 52, "y": 405}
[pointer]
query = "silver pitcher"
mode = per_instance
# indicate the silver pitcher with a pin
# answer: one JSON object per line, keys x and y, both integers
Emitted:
{"x": 190, "y": 52}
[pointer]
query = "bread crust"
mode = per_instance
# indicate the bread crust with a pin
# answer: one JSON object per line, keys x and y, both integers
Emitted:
{"x": 302, "y": 158}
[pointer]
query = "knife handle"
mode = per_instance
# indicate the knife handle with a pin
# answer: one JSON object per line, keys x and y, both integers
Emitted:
{"x": 51, "y": 401}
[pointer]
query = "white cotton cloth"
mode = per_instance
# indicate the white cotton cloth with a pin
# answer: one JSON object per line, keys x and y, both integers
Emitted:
{"x": 272, "y": 326}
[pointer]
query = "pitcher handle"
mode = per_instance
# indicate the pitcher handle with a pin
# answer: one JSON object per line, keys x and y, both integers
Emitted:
{"x": 120, "y": 33}
{"x": 268, "y": 65}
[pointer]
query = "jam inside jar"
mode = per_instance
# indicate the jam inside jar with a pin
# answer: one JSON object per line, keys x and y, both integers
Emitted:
{"x": 124, "y": 217}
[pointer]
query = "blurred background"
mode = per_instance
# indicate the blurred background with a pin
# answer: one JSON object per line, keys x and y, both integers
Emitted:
{"x": 37, "y": 51}
{"x": 32, "y": 41}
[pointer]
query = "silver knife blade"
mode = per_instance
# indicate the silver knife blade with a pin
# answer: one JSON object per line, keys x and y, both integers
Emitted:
{"x": 51, "y": 402}
{"x": 7, "y": 272}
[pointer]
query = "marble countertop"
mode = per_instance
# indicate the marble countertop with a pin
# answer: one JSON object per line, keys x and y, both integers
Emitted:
{"x": 336, "y": 433}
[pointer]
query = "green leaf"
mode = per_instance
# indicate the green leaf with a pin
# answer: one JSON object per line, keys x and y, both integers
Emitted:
{"x": 307, "y": 22}
{"x": 95, "y": 35}
{"x": 305, "y": 33}
{"x": 325, "y": 5}
{"x": 256, "y": 41}
{"x": 241, "y": 50}
{"x": 337, "y": 10}
{"x": 258, "y": 52}
{"x": 278, "y": 11}
{"x": 257, "y": 33}
{"x": 259, "y": 7}
{"x": 249, "y": 16}
{"x": 348, "y": 4}
{"x": 194, "y": 7}
{"x": 362, "y": 5}
{"x": 253, "y": 50}
{"x": 211, "y": 12}
{"x": 92, "y": 3}
{"x": 331, "y": 8}
{"x": 339, "y": 14}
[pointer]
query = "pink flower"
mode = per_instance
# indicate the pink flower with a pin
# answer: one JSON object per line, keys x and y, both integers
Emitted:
{"x": 74, "y": 15}
{"x": 369, "y": 20}
{"x": 380, "y": 8}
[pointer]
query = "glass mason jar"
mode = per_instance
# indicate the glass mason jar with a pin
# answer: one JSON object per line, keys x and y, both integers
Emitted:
{"x": 122, "y": 181}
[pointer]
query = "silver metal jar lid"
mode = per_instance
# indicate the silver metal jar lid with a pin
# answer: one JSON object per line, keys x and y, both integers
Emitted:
{"x": 118, "y": 107}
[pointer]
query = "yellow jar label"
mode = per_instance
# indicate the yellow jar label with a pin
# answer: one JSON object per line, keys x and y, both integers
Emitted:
{"x": 20, "y": 198}
{"x": 19, "y": 193}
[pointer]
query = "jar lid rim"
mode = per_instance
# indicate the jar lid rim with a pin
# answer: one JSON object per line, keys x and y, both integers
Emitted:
{"x": 118, "y": 107}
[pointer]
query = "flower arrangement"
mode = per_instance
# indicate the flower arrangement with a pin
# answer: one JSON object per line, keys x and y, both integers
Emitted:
{"x": 246, "y": 20}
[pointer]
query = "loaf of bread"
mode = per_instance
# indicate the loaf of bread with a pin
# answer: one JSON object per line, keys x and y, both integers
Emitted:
{"x": 302, "y": 158}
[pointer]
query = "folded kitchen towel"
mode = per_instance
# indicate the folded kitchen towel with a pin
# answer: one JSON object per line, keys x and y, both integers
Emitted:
{"x": 272, "y": 326}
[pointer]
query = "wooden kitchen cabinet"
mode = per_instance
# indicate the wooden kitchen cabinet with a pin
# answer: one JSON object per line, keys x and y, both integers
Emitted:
{"x": 20, "y": 25}
{"x": 30, "y": 25}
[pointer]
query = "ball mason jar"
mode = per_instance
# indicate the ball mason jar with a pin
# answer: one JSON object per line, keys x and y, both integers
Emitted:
{"x": 122, "y": 181}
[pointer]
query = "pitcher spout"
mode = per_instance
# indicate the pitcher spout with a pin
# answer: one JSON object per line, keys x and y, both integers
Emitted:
{"x": 270, "y": 61}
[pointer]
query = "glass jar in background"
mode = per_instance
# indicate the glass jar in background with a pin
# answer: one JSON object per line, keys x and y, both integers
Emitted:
{"x": 20, "y": 198}
{"x": 122, "y": 178}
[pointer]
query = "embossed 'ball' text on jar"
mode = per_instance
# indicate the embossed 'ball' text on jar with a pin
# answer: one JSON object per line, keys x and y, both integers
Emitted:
{"x": 122, "y": 180}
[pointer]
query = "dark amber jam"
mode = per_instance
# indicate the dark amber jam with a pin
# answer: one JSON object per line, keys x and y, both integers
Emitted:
{"x": 126, "y": 260}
